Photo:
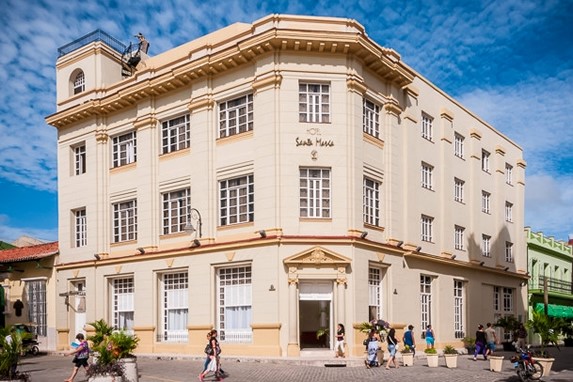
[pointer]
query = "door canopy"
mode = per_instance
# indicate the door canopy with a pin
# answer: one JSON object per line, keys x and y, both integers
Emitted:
{"x": 317, "y": 262}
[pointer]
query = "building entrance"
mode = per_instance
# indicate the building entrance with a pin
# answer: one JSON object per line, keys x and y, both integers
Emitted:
{"x": 315, "y": 314}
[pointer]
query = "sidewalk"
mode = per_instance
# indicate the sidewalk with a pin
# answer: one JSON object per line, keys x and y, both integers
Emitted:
{"x": 182, "y": 368}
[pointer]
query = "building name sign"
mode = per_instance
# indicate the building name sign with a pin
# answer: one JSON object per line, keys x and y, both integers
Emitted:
{"x": 315, "y": 141}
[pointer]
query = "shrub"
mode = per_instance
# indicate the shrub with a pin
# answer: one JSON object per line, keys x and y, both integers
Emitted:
{"x": 431, "y": 351}
{"x": 449, "y": 349}
{"x": 407, "y": 349}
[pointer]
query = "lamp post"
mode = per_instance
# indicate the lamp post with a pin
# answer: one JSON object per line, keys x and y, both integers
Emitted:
{"x": 193, "y": 214}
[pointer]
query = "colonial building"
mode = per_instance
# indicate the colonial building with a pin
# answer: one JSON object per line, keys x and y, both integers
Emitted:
{"x": 273, "y": 179}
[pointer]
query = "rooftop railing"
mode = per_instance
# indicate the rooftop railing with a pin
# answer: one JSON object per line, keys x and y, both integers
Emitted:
{"x": 97, "y": 35}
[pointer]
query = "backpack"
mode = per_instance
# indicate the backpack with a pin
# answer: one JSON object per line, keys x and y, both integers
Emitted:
{"x": 208, "y": 349}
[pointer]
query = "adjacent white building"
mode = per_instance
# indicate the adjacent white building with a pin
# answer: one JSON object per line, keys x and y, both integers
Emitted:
{"x": 330, "y": 183}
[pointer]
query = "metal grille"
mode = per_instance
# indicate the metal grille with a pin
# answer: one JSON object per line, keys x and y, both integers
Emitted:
{"x": 97, "y": 35}
{"x": 37, "y": 305}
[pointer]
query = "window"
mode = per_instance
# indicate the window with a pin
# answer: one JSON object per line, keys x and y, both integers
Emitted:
{"x": 458, "y": 309}
{"x": 485, "y": 160}
{"x": 175, "y": 306}
{"x": 485, "y": 202}
{"x": 237, "y": 200}
{"x": 426, "y": 301}
{"x": 124, "y": 149}
{"x": 459, "y": 237}
{"x": 485, "y": 245}
{"x": 509, "y": 252}
{"x": 79, "y": 82}
{"x": 427, "y": 129}
{"x": 236, "y": 116}
{"x": 175, "y": 134}
{"x": 125, "y": 221}
{"x": 123, "y": 303}
{"x": 235, "y": 304}
{"x": 459, "y": 145}
{"x": 374, "y": 293}
{"x": 37, "y": 312}
{"x": 175, "y": 211}
{"x": 459, "y": 190}
{"x": 503, "y": 307}
{"x": 314, "y": 193}
{"x": 426, "y": 176}
{"x": 508, "y": 211}
{"x": 81, "y": 228}
{"x": 508, "y": 174}
{"x": 314, "y": 103}
{"x": 426, "y": 228}
{"x": 370, "y": 118}
{"x": 371, "y": 202}
{"x": 80, "y": 159}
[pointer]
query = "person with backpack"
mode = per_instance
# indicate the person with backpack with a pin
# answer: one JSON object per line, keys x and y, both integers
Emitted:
{"x": 81, "y": 355}
{"x": 212, "y": 363}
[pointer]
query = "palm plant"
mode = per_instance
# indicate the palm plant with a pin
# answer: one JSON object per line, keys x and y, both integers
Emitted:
{"x": 11, "y": 344}
{"x": 548, "y": 328}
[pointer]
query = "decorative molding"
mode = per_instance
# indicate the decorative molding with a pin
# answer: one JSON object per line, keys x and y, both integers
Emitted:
{"x": 392, "y": 107}
{"x": 201, "y": 103}
{"x": 412, "y": 91}
{"x": 447, "y": 114}
{"x": 500, "y": 150}
{"x": 521, "y": 163}
{"x": 230, "y": 255}
{"x": 273, "y": 80}
{"x": 475, "y": 133}
{"x": 317, "y": 256}
{"x": 101, "y": 137}
{"x": 355, "y": 84}
{"x": 118, "y": 269}
{"x": 146, "y": 122}
{"x": 169, "y": 262}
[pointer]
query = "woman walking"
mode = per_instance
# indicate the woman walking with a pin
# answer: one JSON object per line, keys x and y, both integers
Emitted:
{"x": 481, "y": 342}
{"x": 339, "y": 346}
{"x": 392, "y": 347}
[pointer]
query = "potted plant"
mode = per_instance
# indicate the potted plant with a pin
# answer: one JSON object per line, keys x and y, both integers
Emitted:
{"x": 432, "y": 357}
{"x": 469, "y": 344}
{"x": 114, "y": 354}
{"x": 323, "y": 332}
{"x": 510, "y": 324}
{"x": 548, "y": 329}
{"x": 407, "y": 356}
{"x": 11, "y": 348}
{"x": 451, "y": 356}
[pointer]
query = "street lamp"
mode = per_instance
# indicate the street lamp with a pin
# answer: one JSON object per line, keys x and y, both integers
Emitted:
{"x": 196, "y": 215}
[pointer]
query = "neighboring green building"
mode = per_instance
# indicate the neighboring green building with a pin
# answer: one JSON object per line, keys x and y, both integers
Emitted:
{"x": 552, "y": 261}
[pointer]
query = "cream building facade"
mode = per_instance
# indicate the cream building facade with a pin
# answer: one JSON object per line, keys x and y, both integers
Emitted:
{"x": 326, "y": 180}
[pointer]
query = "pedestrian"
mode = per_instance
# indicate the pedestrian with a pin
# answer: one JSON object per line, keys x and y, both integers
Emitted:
{"x": 430, "y": 337}
{"x": 372, "y": 348}
{"x": 481, "y": 341}
{"x": 409, "y": 340}
{"x": 339, "y": 345}
{"x": 491, "y": 338}
{"x": 392, "y": 348}
{"x": 521, "y": 336}
{"x": 207, "y": 353}
{"x": 213, "y": 351}
{"x": 81, "y": 355}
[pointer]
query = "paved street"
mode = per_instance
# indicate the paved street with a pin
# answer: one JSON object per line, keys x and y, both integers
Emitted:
{"x": 178, "y": 368}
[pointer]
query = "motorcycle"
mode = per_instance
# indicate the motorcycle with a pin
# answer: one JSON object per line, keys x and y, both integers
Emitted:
{"x": 526, "y": 367}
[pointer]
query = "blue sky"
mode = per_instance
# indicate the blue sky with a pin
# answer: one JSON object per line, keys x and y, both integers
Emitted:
{"x": 510, "y": 61}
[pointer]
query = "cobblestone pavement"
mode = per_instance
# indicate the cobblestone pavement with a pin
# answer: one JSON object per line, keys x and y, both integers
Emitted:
{"x": 178, "y": 368}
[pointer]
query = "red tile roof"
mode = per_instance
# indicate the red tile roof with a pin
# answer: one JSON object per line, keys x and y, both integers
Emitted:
{"x": 33, "y": 252}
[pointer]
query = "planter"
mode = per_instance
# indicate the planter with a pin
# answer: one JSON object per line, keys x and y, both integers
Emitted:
{"x": 129, "y": 369}
{"x": 104, "y": 378}
{"x": 432, "y": 360}
{"x": 495, "y": 363}
{"x": 547, "y": 363}
{"x": 451, "y": 361}
{"x": 407, "y": 359}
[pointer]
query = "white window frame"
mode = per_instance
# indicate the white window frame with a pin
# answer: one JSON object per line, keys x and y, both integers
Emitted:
{"x": 509, "y": 252}
{"x": 459, "y": 307}
{"x": 427, "y": 128}
{"x": 237, "y": 200}
{"x": 314, "y": 102}
{"x": 123, "y": 303}
{"x": 176, "y": 134}
{"x": 485, "y": 245}
{"x": 374, "y": 293}
{"x": 124, "y": 150}
{"x": 174, "y": 307}
{"x": 485, "y": 156}
{"x": 175, "y": 208}
{"x": 459, "y": 234}
{"x": 371, "y": 118}
{"x": 508, "y": 211}
{"x": 80, "y": 227}
{"x": 236, "y": 116}
{"x": 426, "y": 228}
{"x": 425, "y": 301}
{"x": 235, "y": 303}
{"x": 426, "y": 176}
{"x": 459, "y": 190}
{"x": 36, "y": 296}
{"x": 124, "y": 216}
{"x": 315, "y": 192}
{"x": 80, "y": 159}
{"x": 508, "y": 174}
{"x": 459, "y": 145}
{"x": 79, "y": 82}
{"x": 371, "y": 201}
{"x": 485, "y": 202}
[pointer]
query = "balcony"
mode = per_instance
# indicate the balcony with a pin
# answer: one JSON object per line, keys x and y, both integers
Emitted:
{"x": 553, "y": 285}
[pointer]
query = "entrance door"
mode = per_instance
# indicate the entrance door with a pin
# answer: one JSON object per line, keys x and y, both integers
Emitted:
{"x": 79, "y": 306}
{"x": 315, "y": 314}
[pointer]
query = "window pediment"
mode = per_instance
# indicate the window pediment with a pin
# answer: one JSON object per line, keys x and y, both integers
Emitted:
{"x": 317, "y": 256}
